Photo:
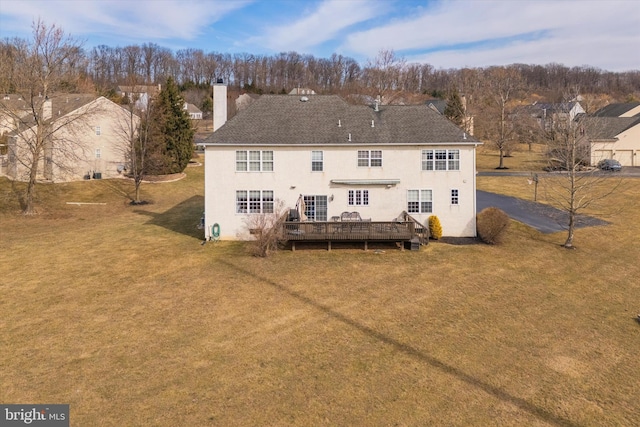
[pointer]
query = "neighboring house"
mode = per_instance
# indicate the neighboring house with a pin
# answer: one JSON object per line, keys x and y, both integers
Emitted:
{"x": 194, "y": 112}
{"x": 546, "y": 114}
{"x": 139, "y": 94}
{"x": 302, "y": 91}
{"x": 378, "y": 161}
{"x": 91, "y": 139}
{"x": 613, "y": 132}
{"x": 244, "y": 100}
{"x": 627, "y": 109}
{"x": 440, "y": 105}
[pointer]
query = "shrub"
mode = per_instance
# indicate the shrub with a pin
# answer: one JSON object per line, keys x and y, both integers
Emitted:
{"x": 265, "y": 228}
{"x": 435, "y": 229}
{"x": 492, "y": 224}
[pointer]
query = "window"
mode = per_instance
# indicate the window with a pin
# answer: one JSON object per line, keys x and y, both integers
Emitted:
{"x": 315, "y": 208}
{"x": 241, "y": 161}
{"x": 376, "y": 158}
{"x": 454, "y": 197}
{"x": 98, "y": 131}
{"x": 454, "y": 160}
{"x": 98, "y": 153}
{"x": 440, "y": 160}
{"x": 254, "y": 161}
{"x": 371, "y": 158}
{"x": 267, "y": 161}
{"x": 419, "y": 201}
{"x": 358, "y": 198}
{"x": 254, "y": 201}
{"x": 317, "y": 163}
{"x": 427, "y": 160}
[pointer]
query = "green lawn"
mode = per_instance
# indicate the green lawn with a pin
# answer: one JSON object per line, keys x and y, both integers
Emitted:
{"x": 122, "y": 313}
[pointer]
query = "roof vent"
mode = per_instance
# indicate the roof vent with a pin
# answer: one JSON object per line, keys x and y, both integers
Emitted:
{"x": 339, "y": 123}
{"x": 349, "y": 137}
{"x": 304, "y": 98}
{"x": 372, "y": 124}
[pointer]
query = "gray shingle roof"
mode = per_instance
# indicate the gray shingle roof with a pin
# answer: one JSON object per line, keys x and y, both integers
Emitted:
{"x": 61, "y": 105}
{"x": 328, "y": 119}
{"x": 615, "y": 110}
{"x": 609, "y": 127}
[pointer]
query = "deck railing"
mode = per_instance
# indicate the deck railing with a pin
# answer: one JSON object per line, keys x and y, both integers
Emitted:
{"x": 349, "y": 230}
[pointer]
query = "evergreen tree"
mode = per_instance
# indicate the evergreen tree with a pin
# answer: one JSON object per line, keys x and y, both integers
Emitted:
{"x": 172, "y": 131}
{"x": 454, "y": 110}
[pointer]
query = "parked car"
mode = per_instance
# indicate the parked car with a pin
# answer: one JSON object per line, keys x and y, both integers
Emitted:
{"x": 610, "y": 165}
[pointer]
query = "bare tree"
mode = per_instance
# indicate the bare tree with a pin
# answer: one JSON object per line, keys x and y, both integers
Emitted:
{"x": 502, "y": 85}
{"x": 134, "y": 141}
{"x": 43, "y": 67}
{"x": 266, "y": 227}
{"x": 576, "y": 188}
{"x": 384, "y": 74}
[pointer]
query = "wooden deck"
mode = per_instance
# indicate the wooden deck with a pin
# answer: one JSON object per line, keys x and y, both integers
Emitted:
{"x": 353, "y": 231}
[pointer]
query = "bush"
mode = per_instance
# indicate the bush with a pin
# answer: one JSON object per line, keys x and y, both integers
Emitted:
{"x": 265, "y": 228}
{"x": 435, "y": 229}
{"x": 492, "y": 224}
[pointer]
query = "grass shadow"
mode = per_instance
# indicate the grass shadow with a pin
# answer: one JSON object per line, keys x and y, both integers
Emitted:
{"x": 541, "y": 413}
{"x": 183, "y": 218}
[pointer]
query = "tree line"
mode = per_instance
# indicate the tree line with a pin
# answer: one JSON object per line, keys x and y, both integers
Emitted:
{"x": 104, "y": 67}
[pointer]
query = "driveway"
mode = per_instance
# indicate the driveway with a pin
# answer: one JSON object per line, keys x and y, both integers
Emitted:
{"x": 627, "y": 172}
{"x": 543, "y": 218}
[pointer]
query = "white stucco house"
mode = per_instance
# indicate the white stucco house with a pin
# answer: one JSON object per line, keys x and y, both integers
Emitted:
{"x": 141, "y": 95}
{"x": 378, "y": 161}
{"x": 615, "y": 134}
{"x": 548, "y": 114}
{"x": 194, "y": 112}
{"x": 88, "y": 138}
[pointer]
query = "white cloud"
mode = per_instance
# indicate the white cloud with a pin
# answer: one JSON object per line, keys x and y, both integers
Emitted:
{"x": 569, "y": 32}
{"x": 318, "y": 26}
{"x": 142, "y": 20}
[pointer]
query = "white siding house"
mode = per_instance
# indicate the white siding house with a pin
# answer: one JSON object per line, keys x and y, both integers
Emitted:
{"x": 377, "y": 161}
{"x": 89, "y": 138}
{"x": 615, "y": 134}
{"x": 194, "y": 112}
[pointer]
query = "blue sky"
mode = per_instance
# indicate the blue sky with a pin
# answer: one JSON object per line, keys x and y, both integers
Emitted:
{"x": 445, "y": 34}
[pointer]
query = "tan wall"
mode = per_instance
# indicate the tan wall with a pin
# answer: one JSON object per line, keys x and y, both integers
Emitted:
{"x": 75, "y": 143}
{"x": 626, "y": 149}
